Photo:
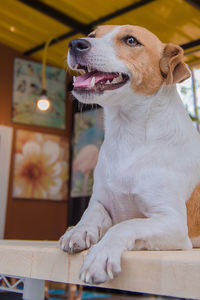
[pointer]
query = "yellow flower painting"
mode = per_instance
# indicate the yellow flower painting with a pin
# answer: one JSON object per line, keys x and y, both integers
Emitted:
{"x": 40, "y": 166}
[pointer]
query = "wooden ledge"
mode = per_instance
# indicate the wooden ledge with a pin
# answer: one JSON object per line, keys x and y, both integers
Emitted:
{"x": 172, "y": 273}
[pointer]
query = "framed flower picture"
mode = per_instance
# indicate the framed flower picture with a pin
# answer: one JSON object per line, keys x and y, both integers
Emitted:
{"x": 40, "y": 166}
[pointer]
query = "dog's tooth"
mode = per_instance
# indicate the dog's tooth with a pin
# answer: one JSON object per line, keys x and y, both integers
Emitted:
{"x": 74, "y": 78}
{"x": 89, "y": 69}
{"x": 92, "y": 83}
{"x": 76, "y": 66}
{"x": 107, "y": 82}
{"x": 120, "y": 78}
{"x": 114, "y": 80}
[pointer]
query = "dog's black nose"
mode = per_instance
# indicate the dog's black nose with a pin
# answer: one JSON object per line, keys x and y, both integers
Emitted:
{"x": 79, "y": 46}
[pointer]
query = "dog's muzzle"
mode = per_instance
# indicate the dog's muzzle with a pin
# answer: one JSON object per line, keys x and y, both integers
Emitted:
{"x": 91, "y": 79}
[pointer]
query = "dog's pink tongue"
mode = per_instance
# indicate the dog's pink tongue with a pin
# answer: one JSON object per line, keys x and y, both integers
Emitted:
{"x": 85, "y": 79}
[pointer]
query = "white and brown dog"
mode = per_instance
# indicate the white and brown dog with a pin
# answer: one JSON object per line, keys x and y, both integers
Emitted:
{"x": 149, "y": 163}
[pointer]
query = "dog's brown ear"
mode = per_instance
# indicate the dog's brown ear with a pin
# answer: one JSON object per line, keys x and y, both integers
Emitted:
{"x": 172, "y": 67}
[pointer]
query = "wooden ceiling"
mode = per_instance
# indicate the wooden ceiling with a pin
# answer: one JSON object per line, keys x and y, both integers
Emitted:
{"x": 26, "y": 25}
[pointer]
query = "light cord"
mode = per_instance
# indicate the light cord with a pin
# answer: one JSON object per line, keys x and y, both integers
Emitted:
{"x": 44, "y": 63}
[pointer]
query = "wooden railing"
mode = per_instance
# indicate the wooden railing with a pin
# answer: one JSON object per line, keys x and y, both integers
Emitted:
{"x": 171, "y": 273}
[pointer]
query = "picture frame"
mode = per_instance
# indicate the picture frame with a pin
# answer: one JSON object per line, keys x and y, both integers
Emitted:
{"x": 27, "y": 88}
{"x": 88, "y": 136}
{"x": 40, "y": 166}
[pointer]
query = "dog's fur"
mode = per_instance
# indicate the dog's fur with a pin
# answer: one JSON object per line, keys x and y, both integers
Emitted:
{"x": 149, "y": 163}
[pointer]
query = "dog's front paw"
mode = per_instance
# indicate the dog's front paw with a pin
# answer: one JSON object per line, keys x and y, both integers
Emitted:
{"x": 101, "y": 264}
{"x": 80, "y": 237}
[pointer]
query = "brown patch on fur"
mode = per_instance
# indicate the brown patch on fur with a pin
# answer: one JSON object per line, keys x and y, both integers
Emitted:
{"x": 142, "y": 61}
{"x": 151, "y": 63}
{"x": 172, "y": 66}
{"x": 193, "y": 213}
{"x": 102, "y": 30}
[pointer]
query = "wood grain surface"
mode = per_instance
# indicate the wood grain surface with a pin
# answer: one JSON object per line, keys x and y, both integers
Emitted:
{"x": 171, "y": 273}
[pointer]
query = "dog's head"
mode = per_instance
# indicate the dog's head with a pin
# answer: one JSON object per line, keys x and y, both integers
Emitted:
{"x": 116, "y": 61}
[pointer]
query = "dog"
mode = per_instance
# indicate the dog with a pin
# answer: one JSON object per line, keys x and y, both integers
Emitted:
{"x": 149, "y": 163}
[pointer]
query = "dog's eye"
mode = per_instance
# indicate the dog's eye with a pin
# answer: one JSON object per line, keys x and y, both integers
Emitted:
{"x": 92, "y": 35}
{"x": 131, "y": 41}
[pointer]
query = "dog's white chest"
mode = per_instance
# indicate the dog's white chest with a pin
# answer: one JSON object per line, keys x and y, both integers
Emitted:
{"x": 122, "y": 207}
{"x": 116, "y": 165}
{"x": 120, "y": 160}
{"x": 118, "y": 180}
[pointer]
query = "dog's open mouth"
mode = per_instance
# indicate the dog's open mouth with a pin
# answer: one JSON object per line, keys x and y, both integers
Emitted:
{"x": 97, "y": 81}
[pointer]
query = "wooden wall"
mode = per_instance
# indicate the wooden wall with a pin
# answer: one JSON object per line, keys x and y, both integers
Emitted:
{"x": 28, "y": 219}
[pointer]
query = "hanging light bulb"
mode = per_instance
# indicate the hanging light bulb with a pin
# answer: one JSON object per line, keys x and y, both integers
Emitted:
{"x": 43, "y": 103}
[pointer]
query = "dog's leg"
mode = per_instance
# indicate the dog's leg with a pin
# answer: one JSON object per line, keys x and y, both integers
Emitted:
{"x": 163, "y": 232}
{"x": 165, "y": 228}
{"x": 92, "y": 226}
